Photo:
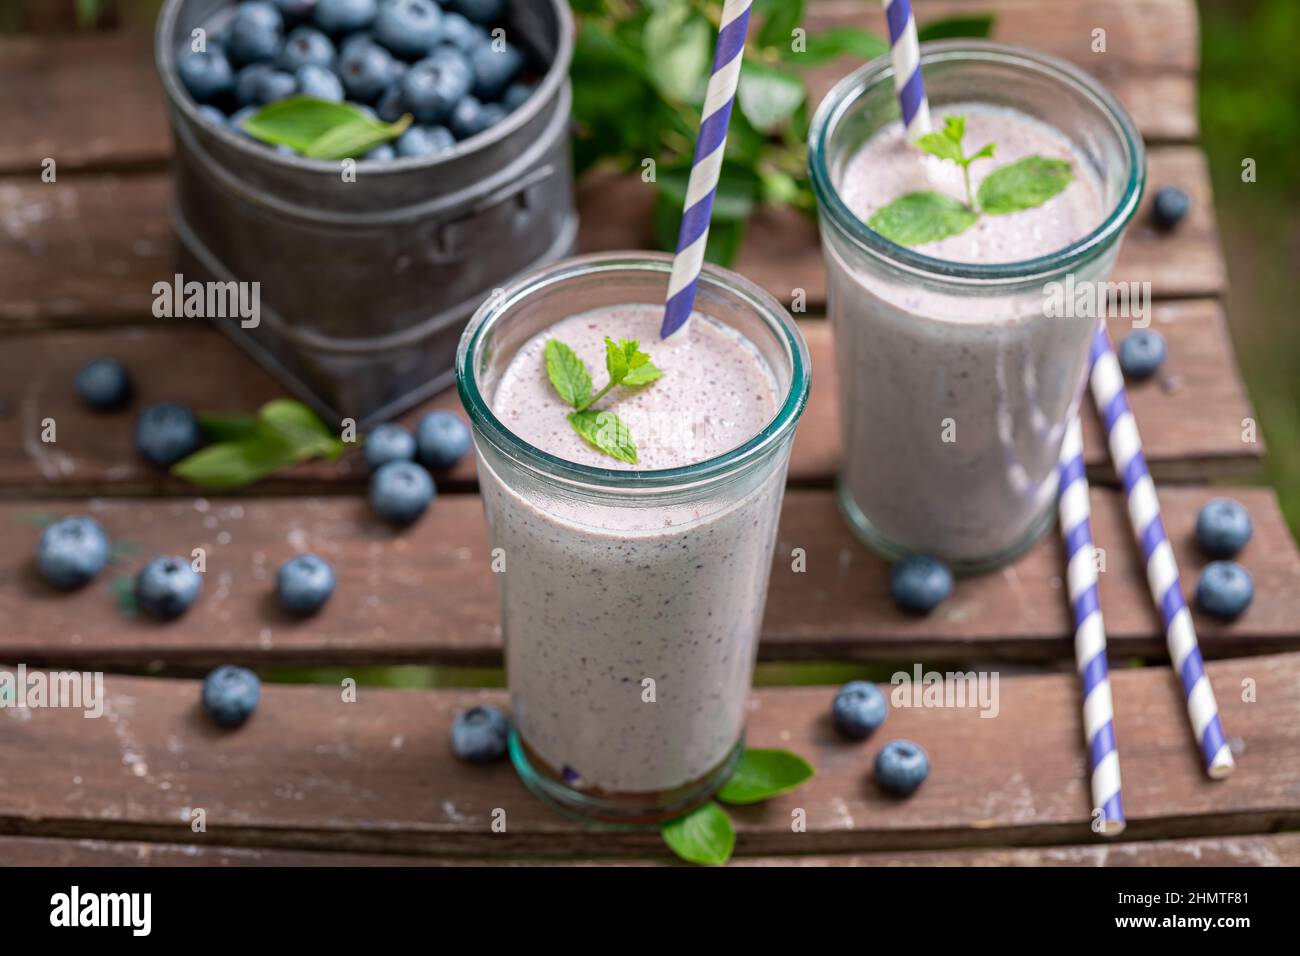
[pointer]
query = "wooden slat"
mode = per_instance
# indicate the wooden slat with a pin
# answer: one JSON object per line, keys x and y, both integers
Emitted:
{"x": 1191, "y": 418}
{"x": 52, "y": 87}
{"x": 311, "y": 771}
{"x": 1281, "y": 849}
{"x": 427, "y": 595}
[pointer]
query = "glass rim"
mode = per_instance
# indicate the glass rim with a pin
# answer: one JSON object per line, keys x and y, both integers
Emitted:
{"x": 842, "y": 97}
{"x": 755, "y": 449}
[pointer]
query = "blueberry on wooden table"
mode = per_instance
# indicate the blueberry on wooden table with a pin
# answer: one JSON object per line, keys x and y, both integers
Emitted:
{"x": 231, "y": 694}
{"x": 480, "y": 734}
{"x": 409, "y": 28}
{"x": 256, "y": 33}
{"x": 167, "y": 587}
{"x": 441, "y": 440}
{"x": 205, "y": 74}
{"x": 859, "y": 708}
{"x": 1170, "y": 207}
{"x": 400, "y": 492}
{"x": 304, "y": 583}
{"x": 1223, "y": 527}
{"x": 166, "y": 432}
{"x": 1225, "y": 590}
{"x": 71, "y": 552}
{"x": 901, "y": 767}
{"x": 104, "y": 384}
{"x": 344, "y": 16}
{"x": 1142, "y": 353}
{"x": 388, "y": 443}
{"x": 919, "y": 583}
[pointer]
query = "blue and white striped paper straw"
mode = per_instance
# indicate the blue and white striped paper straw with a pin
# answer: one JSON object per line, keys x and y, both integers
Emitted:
{"x": 1089, "y": 633}
{"x": 1108, "y": 394}
{"x": 905, "y": 51}
{"x": 706, "y": 166}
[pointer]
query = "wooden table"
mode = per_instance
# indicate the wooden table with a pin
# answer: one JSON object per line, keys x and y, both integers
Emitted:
{"x": 312, "y": 779}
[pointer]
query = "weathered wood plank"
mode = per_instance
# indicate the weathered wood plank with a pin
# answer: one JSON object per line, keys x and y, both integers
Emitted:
{"x": 1191, "y": 418}
{"x": 428, "y": 595}
{"x": 311, "y": 771}
{"x": 1280, "y": 849}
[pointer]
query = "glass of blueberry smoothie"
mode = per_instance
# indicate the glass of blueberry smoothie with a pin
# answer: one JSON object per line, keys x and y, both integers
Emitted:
{"x": 632, "y": 488}
{"x": 948, "y": 259}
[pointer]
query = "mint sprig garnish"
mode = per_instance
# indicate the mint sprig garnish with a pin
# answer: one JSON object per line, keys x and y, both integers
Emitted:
{"x": 705, "y": 835}
{"x": 916, "y": 218}
{"x": 627, "y": 366}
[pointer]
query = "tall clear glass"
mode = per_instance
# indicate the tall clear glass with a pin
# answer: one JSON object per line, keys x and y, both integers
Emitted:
{"x": 955, "y": 383}
{"x": 631, "y": 601}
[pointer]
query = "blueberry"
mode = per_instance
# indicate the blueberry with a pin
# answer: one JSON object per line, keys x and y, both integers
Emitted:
{"x": 391, "y": 105}
{"x": 318, "y": 82}
{"x": 384, "y": 153}
{"x": 424, "y": 141}
{"x": 400, "y": 491}
{"x": 360, "y": 38}
{"x": 920, "y": 584}
{"x": 388, "y": 443}
{"x": 1225, "y": 589}
{"x": 261, "y": 83}
{"x": 1141, "y": 354}
{"x": 304, "y": 584}
{"x": 344, "y": 16}
{"x": 307, "y": 47}
{"x": 859, "y": 708}
{"x": 166, "y": 587}
{"x": 105, "y": 384}
{"x": 441, "y": 440}
{"x": 206, "y": 75}
{"x": 409, "y": 28}
{"x": 166, "y": 432}
{"x": 1170, "y": 206}
{"x": 230, "y": 695}
{"x": 295, "y": 10}
{"x": 480, "y": 11}
{"x": 494, "y": 68}
{"x": 1223, "y": 527}
{"x": 469, "y": 117}
{"x": 256, "y": 32}
{"x": 367, "y": 70}
{"x": 480, "y": 734}
{"x": 901, "y": 767}
{"x": 212, "y": 115}
{"x": 237, "y": 118}
{"x": 515, "y": 96}
{"x": 71, "y": 552}
{"x": 462, "y": 34}
{"x": 434, "y": 85}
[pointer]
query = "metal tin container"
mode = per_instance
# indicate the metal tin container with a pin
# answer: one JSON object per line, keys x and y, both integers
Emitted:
{"x": 367, "y": 284}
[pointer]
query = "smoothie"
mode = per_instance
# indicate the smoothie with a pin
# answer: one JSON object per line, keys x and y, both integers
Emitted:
{"x": 631, "y": 626}
{"x": 954, "y": 403}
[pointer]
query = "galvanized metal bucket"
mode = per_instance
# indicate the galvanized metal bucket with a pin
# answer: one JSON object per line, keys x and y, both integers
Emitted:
{"x": 366, "y": 285}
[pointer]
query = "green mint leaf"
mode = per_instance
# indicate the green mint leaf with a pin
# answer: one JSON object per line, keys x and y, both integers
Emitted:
{"x": 299, "y": 121}
{"x": 297, "y": 426}
{"x": 568, "y": 373}
{"x": 703, "y": 836}
{"x": 678, "y": 46}
{"x": 616, "y": 360}
{"x": 838, "y": 41}
{"x": 763, "y": 774}
{"x": 642, "y": 375}
{"x": 228, "y": 427}
{"x": 979, "y": 25}
{"x": 937, "y": 144}
{"x": 768, "y": 97}
{"x": 954, "y": 128}
{"x": 918, "y": 218}
{"x": 606, "y": 432}
{"x": 355, "y": 138}
{"x": 1023, "y": 185}
{"x": 230, "y": 464}
{"x": 984, "y": 152}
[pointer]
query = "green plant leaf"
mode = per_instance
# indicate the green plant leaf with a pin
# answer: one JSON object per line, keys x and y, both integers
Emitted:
{"x": 228, "y": 427}
{"x": 768, "y": 97}
{"x": 839, "y": 41}
{"x": 356, "y": 138}
{"x": 980, "y": 25}
{"x": 780, "y": 17}
{"x": 763, "y": 774}
{"x": 1023, "y": 185}
{"x": 736, "y": 196}
{"x": 937, "y": 144}
{"x": 297, "y": 426}
{"x": 606, "y": 432}
{"x": 231, "y": 464}
{"x": 568, "y": 373}
{"x": 678, "y": 50}
{"x": 703, "y": 836}
{"x": 642, "y": 375}
{"x": 88, "y": 12}
{"x": 299, "y": 121}
{"x": 616, "y": 360}
{"x": 917, "y": 218}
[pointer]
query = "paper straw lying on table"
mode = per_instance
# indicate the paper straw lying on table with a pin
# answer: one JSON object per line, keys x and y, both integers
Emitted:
{"x": 706, "y": 167}
{"x": 1108, "y": 394}
{"x": 1089, "y": 633}
{"x": 905, "y": 51}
